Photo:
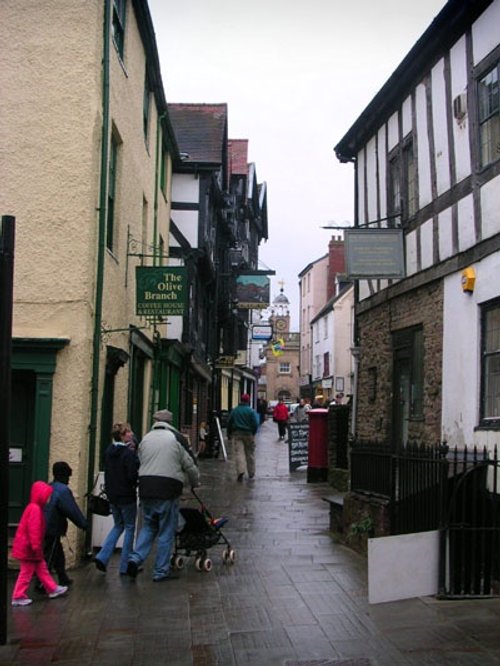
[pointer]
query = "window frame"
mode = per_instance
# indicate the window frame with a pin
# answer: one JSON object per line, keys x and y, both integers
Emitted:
{"x": 284, "y": 368}
{"x": 402, "y": 182}
{"x": 483, "y": 123}
{"x": 114, "y": 146}
{"x": 487, "y": 422}
{"x": 118, "y": 22}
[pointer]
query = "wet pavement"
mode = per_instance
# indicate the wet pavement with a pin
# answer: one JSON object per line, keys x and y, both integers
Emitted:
{"x": 293, "y": 597}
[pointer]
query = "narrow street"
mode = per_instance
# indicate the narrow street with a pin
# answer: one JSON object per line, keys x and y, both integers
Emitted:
{"x": 293, "y": 597}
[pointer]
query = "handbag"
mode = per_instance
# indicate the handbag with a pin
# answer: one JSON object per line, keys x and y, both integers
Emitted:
{"x": 98, "y": 504}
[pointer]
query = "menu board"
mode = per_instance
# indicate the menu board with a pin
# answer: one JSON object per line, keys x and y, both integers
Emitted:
{"x": 298, "y": 439}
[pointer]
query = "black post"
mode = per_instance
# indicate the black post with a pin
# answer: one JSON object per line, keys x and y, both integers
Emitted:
{"x": 7, "y": 233}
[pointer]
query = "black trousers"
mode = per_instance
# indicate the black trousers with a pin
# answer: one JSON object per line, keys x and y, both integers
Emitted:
{"x": 55, "y": 558}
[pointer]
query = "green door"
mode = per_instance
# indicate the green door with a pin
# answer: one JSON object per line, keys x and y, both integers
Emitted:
{"x": 21, "y": 442}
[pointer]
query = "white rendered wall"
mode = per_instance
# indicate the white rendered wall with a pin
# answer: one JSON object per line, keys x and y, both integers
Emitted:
{"x": 485, "y": 32}
{"x": 411, "y": 253}
{"x": 445, "y": 234}
{"x": 371, "y": 175}
{"x": 426, "y": 244}
{"x": 440, "y": 124}
{"x": 382, "y": 162}
{"x": 185, "y": 188}
{"x": 361, "y": 185}
{"x": 490, "y": 208}
{"x": 466, "y": 232}
{"x": 424, "y": 170}
{"x": 392, "y": 132}
{"x": 458, "y": 67}
{"x": 407, "y": 117}
{"x": 461, "y": 351}
{"x": 187, "y": 221}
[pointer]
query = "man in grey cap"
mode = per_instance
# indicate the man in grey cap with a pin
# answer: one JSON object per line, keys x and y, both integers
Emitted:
{"x": 164, "y": 463}
{"x": 166, "y": 416}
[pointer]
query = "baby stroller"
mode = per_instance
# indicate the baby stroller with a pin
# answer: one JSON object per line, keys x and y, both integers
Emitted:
{"x": 200, "y": 532}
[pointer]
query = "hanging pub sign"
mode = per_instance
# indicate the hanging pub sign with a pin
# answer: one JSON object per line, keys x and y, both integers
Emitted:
{"x": 374, "y": 253}
{"x": 253, "y": 292}
{"x": 160, "y": 291}
{"x": 262, "y": 332}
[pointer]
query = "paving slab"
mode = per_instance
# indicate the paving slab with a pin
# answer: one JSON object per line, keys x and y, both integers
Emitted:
{"x": 294, "y": 597}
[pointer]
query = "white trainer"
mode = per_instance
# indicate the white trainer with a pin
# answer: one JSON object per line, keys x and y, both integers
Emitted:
{"x": 59, "y": 591}
{"x": 22, "y": 602}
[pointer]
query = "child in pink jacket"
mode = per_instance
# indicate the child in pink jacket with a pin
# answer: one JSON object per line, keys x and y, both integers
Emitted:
{"x": 27, "y": 547}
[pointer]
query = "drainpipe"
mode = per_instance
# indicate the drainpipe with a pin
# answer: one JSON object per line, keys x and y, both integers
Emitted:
{"x": 355, "y": 349}
{"x": 156, "y": 260}
{"x": 103, "y": 195}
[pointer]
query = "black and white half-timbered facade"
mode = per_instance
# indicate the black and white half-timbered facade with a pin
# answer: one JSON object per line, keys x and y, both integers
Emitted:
{"x": 426, "y": 153}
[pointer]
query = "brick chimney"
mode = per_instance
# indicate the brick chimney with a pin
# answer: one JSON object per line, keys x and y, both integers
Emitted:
{"x": 336, "y": 265}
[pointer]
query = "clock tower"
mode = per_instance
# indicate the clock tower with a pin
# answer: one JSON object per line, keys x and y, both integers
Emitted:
{"x": 280, "y": 314}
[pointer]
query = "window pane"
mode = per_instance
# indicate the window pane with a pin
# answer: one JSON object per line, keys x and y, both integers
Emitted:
{"x": 492, "y": 387}
{"x": 411, "y": 181}
{"x": 488, "y": 95}
{"x": 394, "y": 187}
{"x": 489, "y": 117}
{"x": 492, "y": 342}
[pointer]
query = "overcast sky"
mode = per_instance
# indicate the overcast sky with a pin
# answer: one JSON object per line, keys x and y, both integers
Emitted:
{"x": 295, "y": 74}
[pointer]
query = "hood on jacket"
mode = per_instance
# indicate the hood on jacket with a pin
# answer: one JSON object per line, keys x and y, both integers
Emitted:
{"x": 40, "y": 493}
{"x": 116, "y": 449}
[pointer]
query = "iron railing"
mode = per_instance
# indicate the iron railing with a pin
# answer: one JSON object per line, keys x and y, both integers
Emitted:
{"x": 411, "y": 479}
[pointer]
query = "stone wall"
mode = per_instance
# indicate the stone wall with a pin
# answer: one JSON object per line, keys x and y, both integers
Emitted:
{"x": 421, "y": 307}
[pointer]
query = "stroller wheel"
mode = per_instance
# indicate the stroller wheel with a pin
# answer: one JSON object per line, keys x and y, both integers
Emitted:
{"x": 178, "y": 562}
{"x": 198, "y": 563}
{"x": 229, "y": 556}
{"x": 207, "y": 564}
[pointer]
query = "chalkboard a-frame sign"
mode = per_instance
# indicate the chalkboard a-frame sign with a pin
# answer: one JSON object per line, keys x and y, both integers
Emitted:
{"x": 298, "y": 438}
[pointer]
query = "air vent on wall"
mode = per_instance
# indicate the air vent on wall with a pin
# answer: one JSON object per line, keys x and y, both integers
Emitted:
{"x": 460, "y": 107}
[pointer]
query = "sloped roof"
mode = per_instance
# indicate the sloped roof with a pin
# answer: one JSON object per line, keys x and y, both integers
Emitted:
{"x": 200, "y": 130}
{"x": 238, "y": 157}
{"x": 445, "y": 29}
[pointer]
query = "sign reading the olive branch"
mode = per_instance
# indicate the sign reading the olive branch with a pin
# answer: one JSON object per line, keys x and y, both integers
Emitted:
{"x": 161, "y": 291}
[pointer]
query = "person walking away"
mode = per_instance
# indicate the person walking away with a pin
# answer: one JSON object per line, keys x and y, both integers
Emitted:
{"x": 164, "y": 462}
{"x": 121, "y": 466}
{"x": 242, "y": 425}
{"x": 280, "y": 415}
{"x": 301, "y": 411}
{"x": 61, "y": 507}
{"x": 262, "y": 409}
{"x": 202, "y": 438}
{"x": 27, "y": 547}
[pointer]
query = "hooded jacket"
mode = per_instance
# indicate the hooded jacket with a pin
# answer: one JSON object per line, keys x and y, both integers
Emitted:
{"x": 163, "y": 464}
{"x": 28, "y": 540}
{"x": 120, "y": 474}
{"x": 62, "y": 506}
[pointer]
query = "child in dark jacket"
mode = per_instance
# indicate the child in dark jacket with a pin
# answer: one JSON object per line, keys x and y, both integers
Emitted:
{"x": 27, "y": 547}
{"x": 61, "y": 507}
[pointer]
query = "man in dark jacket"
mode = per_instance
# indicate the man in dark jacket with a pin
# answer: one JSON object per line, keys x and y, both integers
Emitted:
{"x": 241, "y": 427}
{"x": 121, "y": 466}
{"x": 61, "y": 508}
